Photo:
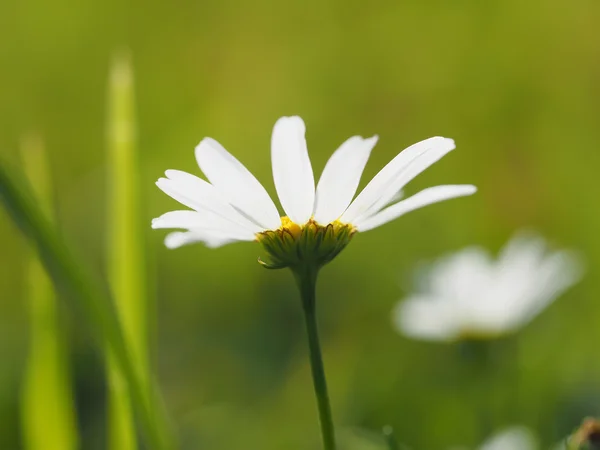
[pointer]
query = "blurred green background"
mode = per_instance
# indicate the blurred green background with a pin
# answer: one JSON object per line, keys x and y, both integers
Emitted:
{"x": 515, "y": 83}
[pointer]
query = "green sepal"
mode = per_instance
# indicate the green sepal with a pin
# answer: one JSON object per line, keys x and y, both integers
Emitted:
{"x": 312, "y": 244}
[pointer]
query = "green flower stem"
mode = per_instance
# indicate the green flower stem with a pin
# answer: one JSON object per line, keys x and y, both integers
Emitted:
{"x": 306, "y": 277}
{"x": 478, "y": 358}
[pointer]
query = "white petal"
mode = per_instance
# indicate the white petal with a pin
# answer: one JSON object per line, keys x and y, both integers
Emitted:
{"x": 559, "y": 271}
{"x": 292, "y": 171}
{"x": 423, "y": 198}
{"x": 180, "y": 238}
{"x": 531, "y": 277}
{"x": 237, "y": 184}
{"x": 392, "y": 178}
{"x": 201, "y": 196}
{"x": 554, "y": 275}
{"x": 524, "y": 248}
{"x": 461, "y": 276}
{"x": 180, "y": 219}
{"x": 204, "y": 221}
{"x": 340, "y": 178}
{"x": 426, "y": 318}
{"x": 398, "y": 196}
{"x": 415, "y": 167}
{"x": 516, "y": 438}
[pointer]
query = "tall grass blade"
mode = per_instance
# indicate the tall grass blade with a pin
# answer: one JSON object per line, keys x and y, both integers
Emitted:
{"x": 88, "y": 296}
{"x": 390, "y": 439}
{"x": 126, "y": 250}
{"x": 47, "y": 410}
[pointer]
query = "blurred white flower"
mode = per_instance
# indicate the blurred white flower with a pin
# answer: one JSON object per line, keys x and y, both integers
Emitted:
{"x": 234, "y": 206}
{"x": 468, "y": 294}
{"x": 514, "y": 438}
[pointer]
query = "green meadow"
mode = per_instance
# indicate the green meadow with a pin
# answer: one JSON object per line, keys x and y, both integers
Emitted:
{"x": 126, "y": 344}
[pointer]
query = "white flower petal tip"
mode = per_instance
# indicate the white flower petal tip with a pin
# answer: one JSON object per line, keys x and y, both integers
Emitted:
{"x": 180, "y": 238}
{"x": 292, "y": 170}
{"x": 160, "y": 182}
{"x": 470, "y": 295}
{"x": 448, "y": 142}
{"x": 177, "y": 219}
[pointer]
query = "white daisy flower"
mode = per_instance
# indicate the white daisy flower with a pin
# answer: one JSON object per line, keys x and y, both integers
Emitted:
{"x": 470, "y": 295}
{"x": 319, "y": 222}
{"x": 515, "y": 438}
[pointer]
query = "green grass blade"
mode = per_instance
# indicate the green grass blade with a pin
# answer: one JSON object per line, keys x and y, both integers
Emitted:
{"x": 84, "y": 294}
{"x": 48, "y": 414}
{"x": 390, "y": 439}
{"x": 126, "y": 250}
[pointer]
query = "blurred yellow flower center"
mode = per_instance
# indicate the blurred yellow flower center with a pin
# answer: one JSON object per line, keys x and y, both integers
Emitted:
{"x": 475, "y": 335}
{"x": 293, "y": 245}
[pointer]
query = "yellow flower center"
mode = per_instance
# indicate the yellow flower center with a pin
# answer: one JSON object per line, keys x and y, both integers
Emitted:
{"x": 293, "y": 245}
{"x": 287, "y": 225}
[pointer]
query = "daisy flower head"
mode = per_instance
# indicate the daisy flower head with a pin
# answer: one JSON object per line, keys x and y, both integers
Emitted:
{"x": 232, "y": 205}
{"x": 514, "y": 438}
{"x": 470, "y": 295}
